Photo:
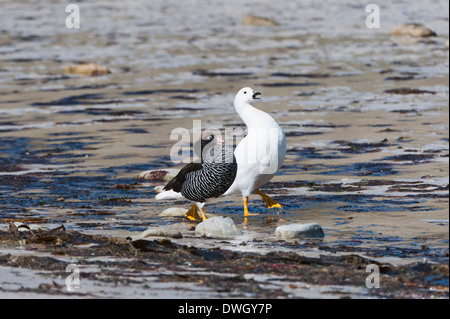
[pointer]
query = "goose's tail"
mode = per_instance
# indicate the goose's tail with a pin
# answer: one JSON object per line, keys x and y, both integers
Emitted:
{"x": 171, "y": 194}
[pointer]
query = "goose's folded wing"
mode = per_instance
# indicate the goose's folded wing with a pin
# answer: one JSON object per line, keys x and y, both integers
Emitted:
{"x": 177, "y": 182}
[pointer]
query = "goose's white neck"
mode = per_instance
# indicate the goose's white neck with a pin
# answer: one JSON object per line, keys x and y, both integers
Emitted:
{"x": 252, "y": 116}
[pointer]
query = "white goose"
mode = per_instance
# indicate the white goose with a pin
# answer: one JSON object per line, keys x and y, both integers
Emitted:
{"x": 260, "y": 154}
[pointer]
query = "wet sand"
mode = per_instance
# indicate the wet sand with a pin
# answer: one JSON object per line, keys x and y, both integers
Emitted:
{"x": 366, "y": 119}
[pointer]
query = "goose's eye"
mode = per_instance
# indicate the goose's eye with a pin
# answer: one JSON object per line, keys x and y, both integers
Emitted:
{"x": 210, "y": 137}
{"x": 245, "y": 92}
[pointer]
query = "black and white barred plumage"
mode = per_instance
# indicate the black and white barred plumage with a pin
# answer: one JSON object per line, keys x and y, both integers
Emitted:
{"x": 210, "y": 178}
{"x": 214, "y": 178}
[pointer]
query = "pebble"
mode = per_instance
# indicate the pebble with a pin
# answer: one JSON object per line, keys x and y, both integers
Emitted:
{"x": 159, "y": 175}
{"x": 179, "y": 212}
{"x": 255, "y": 21}
{"x": 293, "y": 231}
{"x": 218, "y": 227}
{"x": 173, "y": 212}
{"x": 89, "y": 69}
{"x": 413, "y": 30}
{"x": 162, "y": 232}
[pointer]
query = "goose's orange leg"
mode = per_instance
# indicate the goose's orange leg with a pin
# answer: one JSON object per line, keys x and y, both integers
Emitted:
{"x": 270, "y": 203}
{"x": 192, "y": 213}
{"x": 203, "y": 214}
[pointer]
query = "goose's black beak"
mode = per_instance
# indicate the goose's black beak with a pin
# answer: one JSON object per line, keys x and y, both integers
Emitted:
{"x": 255, "y": 95}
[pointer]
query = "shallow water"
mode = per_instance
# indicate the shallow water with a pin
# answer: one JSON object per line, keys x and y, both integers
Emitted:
{"x": 368, "y": 165}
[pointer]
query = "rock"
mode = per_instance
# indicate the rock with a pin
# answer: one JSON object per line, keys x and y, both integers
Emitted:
{"x": 255, "y": 21}
{"x": 219, "y": 226}
{"x": 412, "y": 30}
{"x": 294, "y": 231}
{"x": 179, "y": 212}
{"x": 159, "y": 175}
{"x": 89, "y": 69}
{"x": 162, "y": 232}
{"x": 173, "y": 212}
{"x": 159, "y": 189}
{"x": 25, "y": 227}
